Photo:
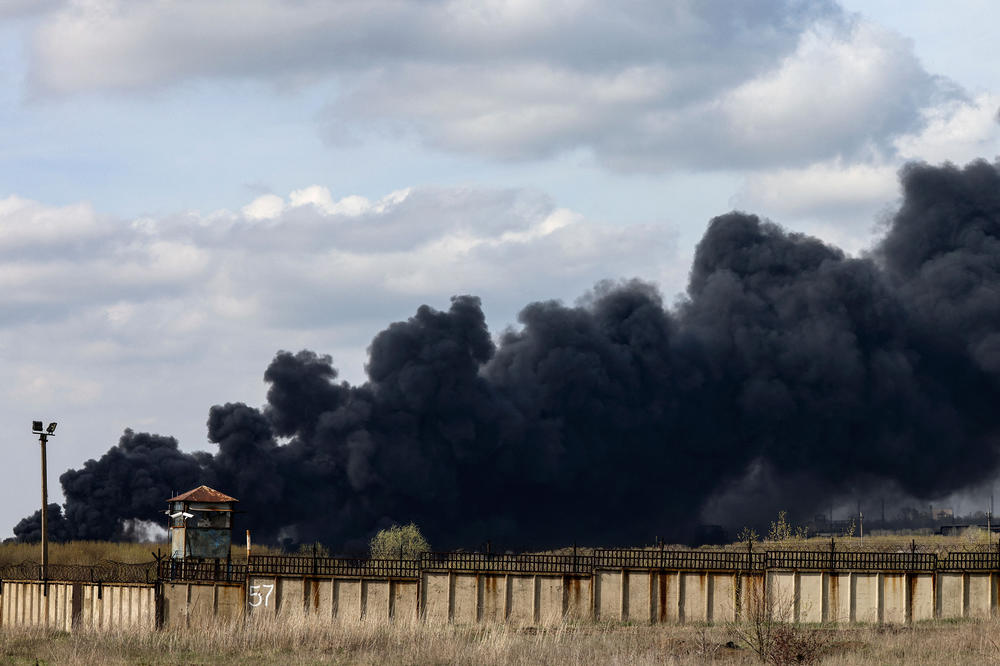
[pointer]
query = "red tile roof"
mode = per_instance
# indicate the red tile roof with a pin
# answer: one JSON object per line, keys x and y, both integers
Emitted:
{"x": 203, "y": 494}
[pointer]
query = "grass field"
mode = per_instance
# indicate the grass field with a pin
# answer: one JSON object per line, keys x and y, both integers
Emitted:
{"x": 93, "y": 552}
{"x": 308, "y": 642}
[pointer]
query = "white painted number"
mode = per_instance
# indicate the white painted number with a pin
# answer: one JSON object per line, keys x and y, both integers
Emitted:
{"x": 256, "y": 598}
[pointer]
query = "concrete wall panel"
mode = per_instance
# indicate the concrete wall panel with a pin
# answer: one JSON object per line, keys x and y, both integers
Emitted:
{"x": 375, "y": 596}
{"x": 436, "y": 602}
{"x": 319, "y": 597}
{"x": 694, "y": 597}
{"x": 838, "y": 598}
{"x": 521, "y": 600}
{"x": 465, "y": 598}
{"x": 263, "y": 595}
{"x": 201, "y": 604}
{"x": 608, "y": 602}
{"x": 347, "y": 600}
{"x": 639, "y": 597}
{"x": 922, "y": 597}
{"x": 951, "y": 595}
{"x": 493, "y": 597}
{"x": 809, "y": 599}
{"x": 865, "y": 597}
{"x": 404, "y": 601}
{"x": 979, "y": 595}
{"x": 230, "y": 600}
{"x": 579, "y": 597}
{"x": 723, "y": 597}
{"x": 174, "y": 606}
{"x": 895, "y": 590}
{"x": 551, "y": 600}
{"x": 289, "y": 597}
{"x": 668, "y": 597}
{"x": 781, "y": 594}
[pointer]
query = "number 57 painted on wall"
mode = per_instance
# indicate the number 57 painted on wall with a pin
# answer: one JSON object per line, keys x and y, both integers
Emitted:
{"x": 258, "y": 599}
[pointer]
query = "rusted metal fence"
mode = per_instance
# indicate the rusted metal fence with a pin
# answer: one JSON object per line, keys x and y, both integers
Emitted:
{"x": 221, "y": 571}
{"x": 527, "y": 563}
{"x": 507, "y": 563}
{"x": 981, "y": 561}
{"x": 696, "y": 560}
{"x": 851, "y": 561}
{"x": 283, "y": 565}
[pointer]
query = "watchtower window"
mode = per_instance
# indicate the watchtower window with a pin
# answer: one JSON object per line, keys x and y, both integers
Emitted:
{"x": 210, "y": 519}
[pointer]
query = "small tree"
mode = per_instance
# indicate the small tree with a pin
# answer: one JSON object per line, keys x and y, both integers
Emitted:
{"x": 748, "y": 535}
{"x": 780, "y": 529}
{"x": 399, "y": 542}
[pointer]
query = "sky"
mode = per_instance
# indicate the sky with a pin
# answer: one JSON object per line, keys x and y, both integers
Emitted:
{"x": 187, "y": 187}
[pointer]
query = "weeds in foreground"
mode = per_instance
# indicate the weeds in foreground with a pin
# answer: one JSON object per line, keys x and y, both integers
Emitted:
{"x": 309, "y": 640}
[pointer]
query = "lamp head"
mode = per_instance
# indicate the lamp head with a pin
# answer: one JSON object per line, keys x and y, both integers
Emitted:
{"x": 52, "y": 428}
{"x": 36, "y": 426}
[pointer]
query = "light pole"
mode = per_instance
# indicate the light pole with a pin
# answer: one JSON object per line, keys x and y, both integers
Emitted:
{"x": 43, "y": 437}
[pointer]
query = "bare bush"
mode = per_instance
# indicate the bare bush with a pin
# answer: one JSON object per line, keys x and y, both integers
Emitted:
{"x": 766, "y": 628}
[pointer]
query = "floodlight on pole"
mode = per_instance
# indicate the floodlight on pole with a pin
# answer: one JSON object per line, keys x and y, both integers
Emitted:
{"x": 43, "y": 437}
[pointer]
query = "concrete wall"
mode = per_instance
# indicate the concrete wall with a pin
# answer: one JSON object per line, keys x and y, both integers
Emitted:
{"x": 191, "y": 604}
{"x": 638, "y": 596}
{"x": 520, "y": 599}
{"x": 68, "y": 606}
{"x": 339, "y": 599}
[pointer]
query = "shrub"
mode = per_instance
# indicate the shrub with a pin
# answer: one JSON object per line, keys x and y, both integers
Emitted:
{"x": 399, "y": 542}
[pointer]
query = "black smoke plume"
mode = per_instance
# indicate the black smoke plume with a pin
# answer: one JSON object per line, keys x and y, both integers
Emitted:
{"x": 619, "y": 418}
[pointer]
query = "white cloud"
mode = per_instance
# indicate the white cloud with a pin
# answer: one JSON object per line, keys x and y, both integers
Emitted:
{"x": 832, "y": 188}
{"x": 317, "y": 260}
{"x": 25, "y": 223}
{"x": 643, "y": 85}
{"x": 837, "y": 201}
{"x": 957, "y": 131}
{"x": 264, "y": 207}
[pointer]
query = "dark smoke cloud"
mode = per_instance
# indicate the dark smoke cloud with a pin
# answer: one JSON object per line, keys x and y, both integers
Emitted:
{"x": 619, "y": 418}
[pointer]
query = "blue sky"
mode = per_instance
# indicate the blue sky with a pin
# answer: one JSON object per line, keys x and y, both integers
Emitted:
{"x": 188, "y": 187}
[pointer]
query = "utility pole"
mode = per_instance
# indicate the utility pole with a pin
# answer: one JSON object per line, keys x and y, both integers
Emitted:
{"x": 43, "y": 438}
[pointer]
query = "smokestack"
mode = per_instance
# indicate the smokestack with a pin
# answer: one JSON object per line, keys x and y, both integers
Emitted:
{"x": 789, "y": 368}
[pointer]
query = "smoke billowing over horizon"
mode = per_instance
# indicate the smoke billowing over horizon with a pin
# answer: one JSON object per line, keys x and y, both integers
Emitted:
{"x": 621, "y": 418}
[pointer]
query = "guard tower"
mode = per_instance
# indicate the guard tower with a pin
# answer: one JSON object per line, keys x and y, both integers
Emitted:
{"x": 201, "y": 524}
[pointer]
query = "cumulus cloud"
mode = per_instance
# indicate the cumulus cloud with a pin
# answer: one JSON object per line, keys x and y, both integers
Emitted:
{"x": 844, "y": 201}
{"x": 318, "y": 258}
{"x": 957, "y": 131}
{"x": 642, "y": 85}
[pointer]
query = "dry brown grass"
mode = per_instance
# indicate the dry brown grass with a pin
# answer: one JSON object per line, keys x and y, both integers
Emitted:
{"x": 93, "y": 552}
{"x": 309, "y": 641}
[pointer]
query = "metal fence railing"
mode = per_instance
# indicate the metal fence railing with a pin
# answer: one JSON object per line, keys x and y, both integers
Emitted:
{"x": 201, "y": 570}
{"x": 982, "y": 561}
{"x": 284, "y": 565}
{"x": 166, "y": 569}
{"x": 849, "y": 561}
{"x": 700, "y": 560}
{"x": 507, "y": 563}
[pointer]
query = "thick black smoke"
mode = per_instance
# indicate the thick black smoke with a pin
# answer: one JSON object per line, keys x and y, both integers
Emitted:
{"x": 618, "y": 419}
